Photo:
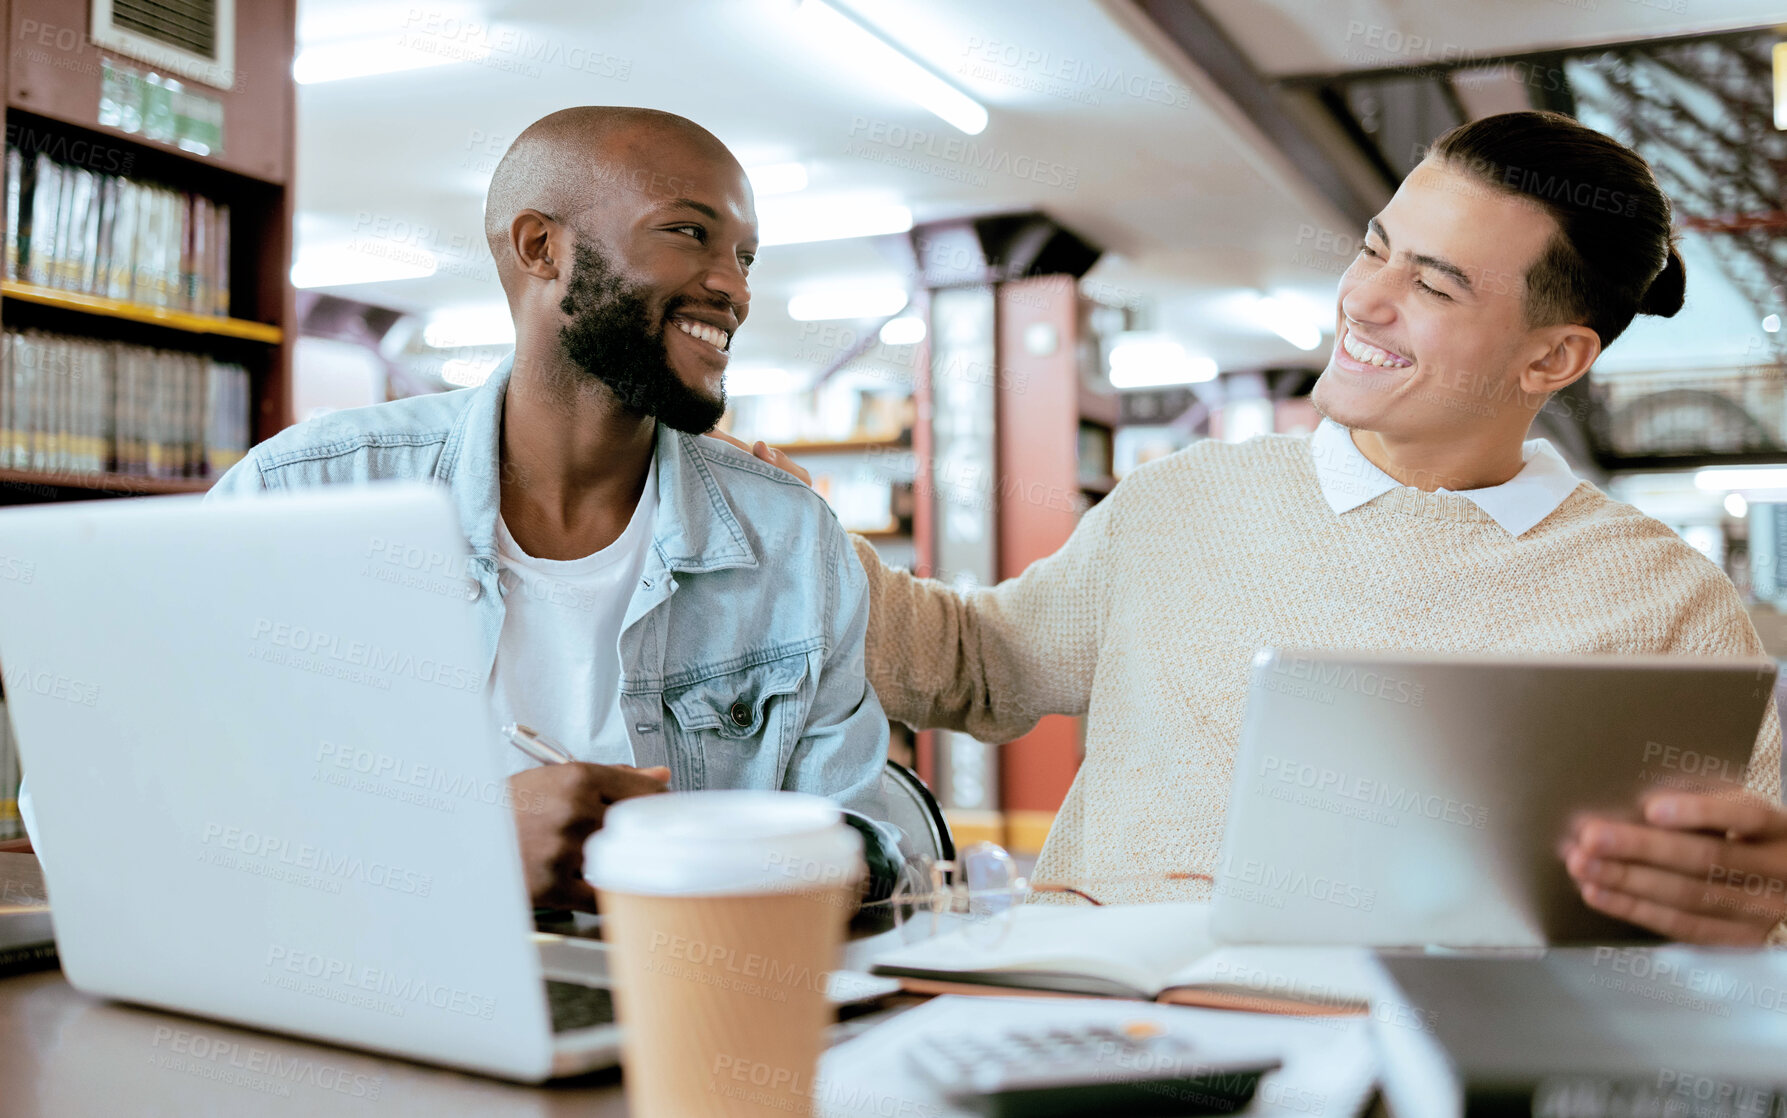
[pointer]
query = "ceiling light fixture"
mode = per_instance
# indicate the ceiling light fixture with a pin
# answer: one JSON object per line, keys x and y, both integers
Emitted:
{"x": 342, "y": 266}
{"x": 798, "y": 221}
{"x": 1771, "y": 324}
{"x": 479, "y": 324}
{"x": 1149, "y": 360}
{"x": 905, "y": 330}
{"x": 1283, "y": 318}
{"x": 877, "y": 59}
{"x": 861, "y": 302}
{"x": 762, "y": 380}
{"x": 777, "y": 178}
{"x": 1736, "y": 505}
{"x": 1726, "y": 479}
{"x": 365, "y": 58}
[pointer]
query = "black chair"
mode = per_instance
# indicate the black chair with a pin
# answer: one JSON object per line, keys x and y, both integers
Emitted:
{"x": 912, "y": 808}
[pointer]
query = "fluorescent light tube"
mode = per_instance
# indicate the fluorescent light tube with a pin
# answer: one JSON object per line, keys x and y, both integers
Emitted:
{"x": 862, "y": 302}
{"x": 777, "y": 178}
{"x": 341, "y": 266}
{"x": 905, "y": 330}
{"x": 365, "y": 58}
{"x": 880, "y": 61}
{"x": 1284, "y": 318}
{"x": 762, "y": 380}
{"x": 1144, "y": 360}
{"x": 1726, "y": 478}
{"x": 479, "y": 324}
{"x": 799, "y": 221}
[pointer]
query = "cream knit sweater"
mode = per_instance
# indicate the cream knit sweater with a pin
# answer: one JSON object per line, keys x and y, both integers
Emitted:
{"x": 1147, "y": 620}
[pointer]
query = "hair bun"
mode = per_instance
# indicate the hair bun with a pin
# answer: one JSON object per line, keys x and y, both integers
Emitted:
{"x": 1666, "y": 292}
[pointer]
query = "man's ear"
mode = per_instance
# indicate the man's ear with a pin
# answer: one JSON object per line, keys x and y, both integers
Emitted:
{"x": 530, "y": 239}
{"x": 1570, "y": 351}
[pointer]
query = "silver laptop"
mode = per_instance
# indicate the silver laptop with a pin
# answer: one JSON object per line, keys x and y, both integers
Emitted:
{"x": 264, "y": 781}
{"x": 1395, "y": 800}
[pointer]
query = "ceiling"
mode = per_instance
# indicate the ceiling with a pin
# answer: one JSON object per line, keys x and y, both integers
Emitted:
{"x": 1135, "y": 152}
{"x": 1287, "y": 37}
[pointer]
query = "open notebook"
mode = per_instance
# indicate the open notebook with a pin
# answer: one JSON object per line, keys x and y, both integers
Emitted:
{"x": 1156, "y": 952}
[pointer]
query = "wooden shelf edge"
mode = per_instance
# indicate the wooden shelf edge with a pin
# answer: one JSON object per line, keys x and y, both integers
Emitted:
{"x": 133, "y": 312}
{"x": 843, "y": 446}
{"x": 213, "y": 163}
{"x": 122, "y": 484}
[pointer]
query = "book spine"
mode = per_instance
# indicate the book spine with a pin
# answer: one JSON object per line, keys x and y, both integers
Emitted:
{"x": 192, "y": 427}
{"x": 40, "y": 242}
{"x": 188, "y": 252}
{"x": 174, "y": 233}
{"x": 10, "y": 826}
{"x": 87, "y": 242}
{"x": 154, "y": 394}
{"x": 220, "y": 287}
{"x": 6, "y": 353}
{"x": 142, "y": 273}
{"x": 58, "y": 378}
{"x": 15, "y": 172}
{"x": 15, "y": 403}
{"x": 121, "y": 255}
{"x": 93, "y": 396}
{"x": 101, "y": 273}
{"x": 33, "y": 957}
{"x": 27, "y": 448}
{"x": 63, "y": 239}
{"x": 198, "y": 297}
{"x": 123, "y": 377}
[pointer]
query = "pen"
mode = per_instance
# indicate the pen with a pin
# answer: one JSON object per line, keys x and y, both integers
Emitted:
{"x": 535, "y": 746}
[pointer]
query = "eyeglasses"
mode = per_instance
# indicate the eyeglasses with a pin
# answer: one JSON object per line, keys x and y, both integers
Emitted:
{"x": 978, "y": 892}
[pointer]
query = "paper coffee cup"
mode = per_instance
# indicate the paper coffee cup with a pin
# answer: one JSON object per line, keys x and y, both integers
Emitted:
{"x": 724, "y": 912}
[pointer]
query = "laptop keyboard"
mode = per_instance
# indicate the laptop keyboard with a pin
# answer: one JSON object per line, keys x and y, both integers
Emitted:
{"x": 578, "y": 1007}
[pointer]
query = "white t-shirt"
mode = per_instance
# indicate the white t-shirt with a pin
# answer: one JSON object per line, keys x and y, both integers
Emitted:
{"x": 558, "y": 658}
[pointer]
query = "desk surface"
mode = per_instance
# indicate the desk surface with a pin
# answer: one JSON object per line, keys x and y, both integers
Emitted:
{"x": 66, "y": 1055}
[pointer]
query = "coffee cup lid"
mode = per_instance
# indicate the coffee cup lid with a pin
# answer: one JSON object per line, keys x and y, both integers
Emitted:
{"x": 723, "y": 843}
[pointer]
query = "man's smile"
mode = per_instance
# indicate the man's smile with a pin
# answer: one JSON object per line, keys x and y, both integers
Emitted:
{"x": 714, "y": 335}
{"x": 1365, "y": 353}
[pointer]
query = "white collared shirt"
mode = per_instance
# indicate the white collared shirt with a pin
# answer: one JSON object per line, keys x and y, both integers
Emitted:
{"x": 1349, "y": 479}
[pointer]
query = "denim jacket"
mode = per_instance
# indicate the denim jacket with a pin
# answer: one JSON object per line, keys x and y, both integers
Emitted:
{"x": 742, "y": 650}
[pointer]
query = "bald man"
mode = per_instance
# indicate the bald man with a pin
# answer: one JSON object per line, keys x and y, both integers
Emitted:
{"x": 672, "y": 612}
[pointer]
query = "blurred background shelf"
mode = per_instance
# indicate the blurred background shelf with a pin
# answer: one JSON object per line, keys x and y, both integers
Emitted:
{"x": 844, "y": 446}
{"x": 135, "y": 312}
{"x": 106, "y": 484}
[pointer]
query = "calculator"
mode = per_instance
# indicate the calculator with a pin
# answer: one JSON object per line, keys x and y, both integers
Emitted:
{"x": 1135, "y": 1068}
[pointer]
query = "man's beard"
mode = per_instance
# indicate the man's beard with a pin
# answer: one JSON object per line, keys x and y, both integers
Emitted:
{"x": 612, "y": 336}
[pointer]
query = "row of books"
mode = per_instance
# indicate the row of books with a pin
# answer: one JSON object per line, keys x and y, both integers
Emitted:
{"x": 85, "y": 231}
{"x": 10, "y": 826}
{"x": 74, "y": 405}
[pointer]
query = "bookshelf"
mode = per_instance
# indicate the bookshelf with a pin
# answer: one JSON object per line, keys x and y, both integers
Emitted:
{"x": 227, "y": 303}
{"x": 1055, "y": 439}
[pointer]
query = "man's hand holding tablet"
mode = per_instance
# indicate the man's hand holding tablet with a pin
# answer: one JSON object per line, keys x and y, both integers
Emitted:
{"x": 1701, "y": 867}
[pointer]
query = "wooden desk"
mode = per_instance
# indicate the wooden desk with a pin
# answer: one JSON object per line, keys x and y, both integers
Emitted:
{"x": 66, "y": 1055}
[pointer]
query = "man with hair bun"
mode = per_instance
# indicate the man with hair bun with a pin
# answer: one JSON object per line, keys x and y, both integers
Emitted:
{"x": 1418, "y": 518}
